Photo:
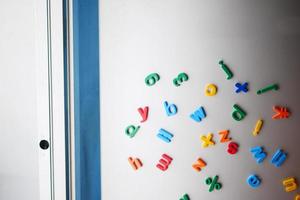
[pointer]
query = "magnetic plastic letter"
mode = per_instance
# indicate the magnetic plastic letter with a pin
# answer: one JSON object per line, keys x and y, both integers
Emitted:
{"x": 241, "y": 87}
{"x": 199, "y": 165}
{"x": 144, "y": 113}
{"x": 151, "y": 79}
{"x": 280, "y": 112}
{"x": 164, "y": 162}
{"x": 171, "y": 109}
{"x": 207, "y": 140}
{"x": 258, "y": 127}
{"x": 238, "y": 113}
{"x": 165, "y": 135}
{"x": 226, "y": 69}
{"x": 278, "y": 158}
{"x": 274, "y": 87}
{"x": 180, "y": 78}
{"x": 198, "y": 115}
{"x": 259, "y": 154}
{"x": 254, "y": 181}
{"x": 210, "y": 90}
{"x": 132, "y": 130}
{"x": 135, "y": 163}
{"x": 233, "y": 148}
{"x": 224, "y": 136}
{"x": 290, "y": 184}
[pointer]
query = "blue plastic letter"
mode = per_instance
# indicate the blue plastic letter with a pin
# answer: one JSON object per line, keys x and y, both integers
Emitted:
{"x": 254, "y": 181}
{"x": 170, "y": 109}
{"x": 198, "y": 115}
{"x": 164, "y": 135}
{"x": 259, "y": 154}
{"x": 278, "y": 158}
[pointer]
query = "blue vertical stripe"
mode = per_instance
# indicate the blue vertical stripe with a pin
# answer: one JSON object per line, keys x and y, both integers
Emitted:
{"x": 87, "y": 99}
{"x": 66, "y": 93}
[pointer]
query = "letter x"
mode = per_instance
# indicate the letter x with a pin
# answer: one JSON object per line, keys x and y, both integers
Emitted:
{"x": 241, "y": 87}
{"x": 207, "y": 140}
